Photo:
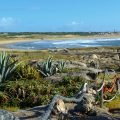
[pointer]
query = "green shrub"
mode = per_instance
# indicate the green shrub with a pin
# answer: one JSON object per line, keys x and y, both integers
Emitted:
{"x": 114, "y": 104}
{"x": 4, "y": 98}
{"x": 25, "y": 93}
{"x": 26, "y": 72}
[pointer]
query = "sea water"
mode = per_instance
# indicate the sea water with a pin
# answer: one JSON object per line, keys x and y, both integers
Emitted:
{"x": 71, "y": 43}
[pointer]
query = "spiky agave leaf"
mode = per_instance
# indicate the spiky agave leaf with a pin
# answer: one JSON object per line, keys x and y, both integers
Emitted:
{"x": 61, "y": 65}
{"x": 46, "y": 68}
{"x": 7, "y": 66}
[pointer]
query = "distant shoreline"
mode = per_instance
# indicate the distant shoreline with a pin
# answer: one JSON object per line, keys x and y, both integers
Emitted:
{"x": 3, "y": 42}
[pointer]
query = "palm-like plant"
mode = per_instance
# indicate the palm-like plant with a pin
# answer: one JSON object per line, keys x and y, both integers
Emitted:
{"x": 7, "y": 66}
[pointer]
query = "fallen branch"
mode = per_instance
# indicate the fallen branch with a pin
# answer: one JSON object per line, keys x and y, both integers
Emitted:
{"x": 47, "y": 114}
{"x": 111, "y": 98}
{"x": 78, "y": 98}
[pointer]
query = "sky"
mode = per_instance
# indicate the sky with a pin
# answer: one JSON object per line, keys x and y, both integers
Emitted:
{"x": 59, "y": 15}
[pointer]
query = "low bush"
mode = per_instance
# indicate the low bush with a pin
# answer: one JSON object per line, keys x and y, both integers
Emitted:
{"x": 114, "y": 104}
{"x": 26, "y": 72}
{"x": 25, "y": 93}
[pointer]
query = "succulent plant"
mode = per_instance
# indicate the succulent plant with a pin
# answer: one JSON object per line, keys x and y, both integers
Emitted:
{"x": 61, "y": 65}
{"x": 49, "y": 67}
{"x": 7, "y": 66}
{"x": 46, "y": 68}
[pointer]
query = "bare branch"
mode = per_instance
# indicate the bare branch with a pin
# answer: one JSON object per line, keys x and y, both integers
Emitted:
{"x": 111, "y": 98}
{"x": 47, "y": 114}
{"x": 101, "y": 87}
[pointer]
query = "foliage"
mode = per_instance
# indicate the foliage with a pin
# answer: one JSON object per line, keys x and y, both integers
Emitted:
{"x": 46, "y": 68}
{"x": 3, "y": 98}
{"x": 7, "y": 66}
{"x": 114, "y": 104}
{"x": 26, "y": 72}
{"x": 49, "y": 67}
{"x": 25, "y": 93}
{"x": 61, "y": 66}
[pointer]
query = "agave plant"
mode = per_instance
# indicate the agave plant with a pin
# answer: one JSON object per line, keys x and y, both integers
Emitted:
{"x": 46, "y": 68}
{"x": 7, "y": 66}
{"x": 61, "y": 65}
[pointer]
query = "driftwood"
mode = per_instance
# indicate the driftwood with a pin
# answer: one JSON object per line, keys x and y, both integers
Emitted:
{"x": 84, "y": 100}
{"x": 51, "y": 105}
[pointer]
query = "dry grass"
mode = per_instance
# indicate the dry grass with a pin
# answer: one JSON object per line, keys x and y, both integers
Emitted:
{"x": 114, "y": 104}
{"x": 10, "y": 108}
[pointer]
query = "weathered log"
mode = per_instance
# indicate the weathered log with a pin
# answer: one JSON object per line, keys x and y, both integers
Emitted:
{"x": 47, "y": 114}
{"x": 84, "y": 100}
{"x": 75, "y": 99}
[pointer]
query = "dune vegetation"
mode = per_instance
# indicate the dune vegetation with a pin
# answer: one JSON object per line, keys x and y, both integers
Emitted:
{"x": 33, "y": 78}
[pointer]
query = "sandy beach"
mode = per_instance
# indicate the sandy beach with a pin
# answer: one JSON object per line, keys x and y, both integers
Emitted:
{"x": 3, "y": 42}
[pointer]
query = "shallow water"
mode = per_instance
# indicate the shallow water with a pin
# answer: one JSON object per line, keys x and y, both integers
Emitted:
{"x": 72, "y": 43}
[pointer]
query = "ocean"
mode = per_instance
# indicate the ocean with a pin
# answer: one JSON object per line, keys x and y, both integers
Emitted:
{"x": 57, "y": 44}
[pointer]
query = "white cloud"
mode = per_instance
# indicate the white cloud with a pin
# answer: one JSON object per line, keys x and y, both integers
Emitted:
{"x": 6, "y": 22}
{"x": 75, "y": 23}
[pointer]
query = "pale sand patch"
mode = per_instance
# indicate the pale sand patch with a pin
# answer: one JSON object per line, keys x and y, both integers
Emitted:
{"x": 15, "y": 41}
{"x": 4, "y": 42}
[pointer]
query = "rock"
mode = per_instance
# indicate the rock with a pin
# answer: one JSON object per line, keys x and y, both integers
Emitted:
{"x": 94, "y": 56}
{"x": 118, "y": 50}
{"x": 66, "y": 50}
{"x": 92, "y": 75}
{"x": 32, "y": 62}
{"x": 5, "y": 115}
{"x": 77, "y": 63}
{"x": 13, "y": 55}
{"x": 56, "y": 77}
{"x": 86, "y": 104}
{"x": 91, "y": 91}
{"x": 94, "y": 64}
{"x": 116, "y": 57}
{"x": 61, "y": 106}
{"x": 53, "y": 50}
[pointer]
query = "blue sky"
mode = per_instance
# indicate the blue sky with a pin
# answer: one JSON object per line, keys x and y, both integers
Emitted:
{"x": 59, "y": 15}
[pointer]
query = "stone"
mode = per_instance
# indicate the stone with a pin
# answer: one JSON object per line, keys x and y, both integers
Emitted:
{"x": 86, "y": 104}
{"x": 92, "y": 75}
{"x": 53, "y": 50}
{"x": 116, "y": 57}
{"x": 94, "y": 56}
{"x": 61, "y": 106}
{"x": 5, "y": 115}
{"x": 77, "y": 63}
